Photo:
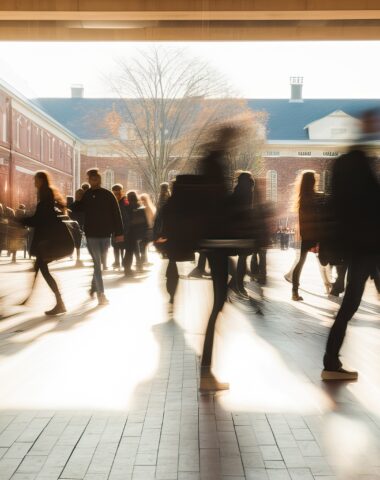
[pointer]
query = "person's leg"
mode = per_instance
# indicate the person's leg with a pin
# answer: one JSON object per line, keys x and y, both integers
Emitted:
{"x": 338, "y": 286}
{"x": 199, "y": 270}
{"x": 138, "y": 255}
{"x": 95, "y": 247}
{"x": 172, "y": 279}
{"x": 44, "y": 269}
{"x": 116, "y": 253}
{"x": 297, "y": 271}
{"x": 219, "y": 271}
{"x": 128, "y": 256}
{"x": 358, "y": 272}
{"x": 241, "y": 271}
{"x": 254, "y": 265}
{"x": 262, "y": 276}
{"x": 325, "y": 271}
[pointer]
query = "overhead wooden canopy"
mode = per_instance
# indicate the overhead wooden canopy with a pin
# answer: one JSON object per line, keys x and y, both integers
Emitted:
{"x": 189, "y": 20}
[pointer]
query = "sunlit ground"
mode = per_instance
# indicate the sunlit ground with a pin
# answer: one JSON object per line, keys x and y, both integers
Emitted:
{"x": 107, "y": 359}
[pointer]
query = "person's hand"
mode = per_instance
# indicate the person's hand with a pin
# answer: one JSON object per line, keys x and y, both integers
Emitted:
{"x": 119, "y": 238}
{"x": 161, "y": 240}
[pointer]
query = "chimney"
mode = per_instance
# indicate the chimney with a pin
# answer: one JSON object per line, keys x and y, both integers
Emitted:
{"x": 77, "y": 91}
{"x": 296, "y": 84}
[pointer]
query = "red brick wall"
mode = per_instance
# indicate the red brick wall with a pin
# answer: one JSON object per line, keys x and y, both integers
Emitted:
{"x": 123, "y": 173}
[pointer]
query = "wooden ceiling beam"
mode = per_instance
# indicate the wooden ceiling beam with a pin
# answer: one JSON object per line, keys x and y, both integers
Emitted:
{"x": 206, "y": 15}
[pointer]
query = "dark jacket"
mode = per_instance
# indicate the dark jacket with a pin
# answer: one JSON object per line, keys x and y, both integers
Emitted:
{"x": 51, "y": 238}
{"x": 310, "y": 218}
{"x": 136, "y": 223}
{"x": 355, "y": 200}
{"x": 102, "y": 216}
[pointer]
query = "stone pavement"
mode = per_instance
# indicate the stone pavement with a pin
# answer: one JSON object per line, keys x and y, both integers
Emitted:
{"x": 111, "y": 393}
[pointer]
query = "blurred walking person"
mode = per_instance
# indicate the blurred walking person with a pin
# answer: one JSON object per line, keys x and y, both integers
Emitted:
{"x": 102, "y": 219}
{"x": 309, "y": 204}
{"x": 51, "y": 239}
{"x": 119, "y": 248}
{"x": 150, "y": 214}
{"x": 355, "y": 202}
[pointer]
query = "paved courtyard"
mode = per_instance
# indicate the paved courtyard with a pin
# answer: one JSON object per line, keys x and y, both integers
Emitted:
{"x": 111, "y": 393}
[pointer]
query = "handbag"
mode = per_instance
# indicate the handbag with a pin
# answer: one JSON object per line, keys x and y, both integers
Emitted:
{"x": 54, "y": 242}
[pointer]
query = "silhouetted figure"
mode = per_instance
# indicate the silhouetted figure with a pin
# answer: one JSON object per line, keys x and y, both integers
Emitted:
{"x": 51, "y": 239}
{"x": 355, "y": 200}
{"x": 150, "y": 213}
{"x": 118, "y": 248}
{"x": 309, "y": 210}
{"x": 136, "y": 228}
{"x": 242, "y": 201}
{"x": 102, "y": 219}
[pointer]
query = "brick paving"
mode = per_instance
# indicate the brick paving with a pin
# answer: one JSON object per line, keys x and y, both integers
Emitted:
{"x": 111, "y": 393}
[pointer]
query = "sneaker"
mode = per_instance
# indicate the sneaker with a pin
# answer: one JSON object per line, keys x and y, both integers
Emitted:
{"x": 339, "y": 374}
{"x": 195, "y": 273}
{"x": 91, "y": 292}
{"x": 209, "y": 384}
{"x": 59, "y": 309}
{"x": 102, "y": 299}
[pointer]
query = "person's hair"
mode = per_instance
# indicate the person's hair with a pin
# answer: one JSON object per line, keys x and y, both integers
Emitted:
{"x": 133, "y": 199}
{"x": 164, "y": 194}
{"x": 244, "y": 187}
{"x": 305, "y": 187}
{"x": 85, "y": 186}
{"x": 145, "y": 197}
{"x": 117, "y": 186}
{"x": 47, "y": 189}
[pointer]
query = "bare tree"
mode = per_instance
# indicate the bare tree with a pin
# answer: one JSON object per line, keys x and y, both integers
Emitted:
{"x": 168, "y": 101}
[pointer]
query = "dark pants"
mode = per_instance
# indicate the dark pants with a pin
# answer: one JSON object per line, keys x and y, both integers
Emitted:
{"x": 132, "y": 248}
{"x": 218, "y": 262}
{"x": 42, "y": 266}
{"x": 259, "y": 264}
{"x": 172, "y": 279}
{"x": 98, "y": 248}
{"x": 359, "y": 270}
{"x": 118, "y": 255}
{"x": 305, "y": 247}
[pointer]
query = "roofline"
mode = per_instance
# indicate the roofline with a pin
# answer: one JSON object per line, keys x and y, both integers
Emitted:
{"x": 29, "y": 103}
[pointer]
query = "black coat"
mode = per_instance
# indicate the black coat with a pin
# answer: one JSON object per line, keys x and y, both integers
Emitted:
{"x": 51, "y": 238}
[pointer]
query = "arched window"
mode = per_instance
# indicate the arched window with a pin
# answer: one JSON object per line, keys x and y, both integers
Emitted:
{"x": 18, "y": 121}
{"x": 29, "y": 130}
{"x": 109, "y": 178}
{"x": 271, "y": 178}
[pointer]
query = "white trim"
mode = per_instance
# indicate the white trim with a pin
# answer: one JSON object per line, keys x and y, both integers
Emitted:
{"x": 24, "y": 170}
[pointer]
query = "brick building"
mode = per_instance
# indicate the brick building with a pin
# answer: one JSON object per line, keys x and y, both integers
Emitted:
{"x": 31, "y": 140}
{"x": 300, "y": 134}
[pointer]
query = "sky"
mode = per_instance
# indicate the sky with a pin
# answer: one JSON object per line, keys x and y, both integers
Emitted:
{"x": 254, "y": 69}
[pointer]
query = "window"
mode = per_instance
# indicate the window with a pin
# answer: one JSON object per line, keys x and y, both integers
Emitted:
{"x": 127, "y": 132}
{"x": 304, "y": 154}
{"x": 29, "y": 128}
{"x": 271, "y": 182}
{"x": 330, "y": 154}
{"x": 109, "y": 178}
{"x": 272, "y": 154}
{"x": 18, "y": 121}
{"x": 337, "y": 132}
{"x": 134, "y": 181}
{"x": 5, "y": 119}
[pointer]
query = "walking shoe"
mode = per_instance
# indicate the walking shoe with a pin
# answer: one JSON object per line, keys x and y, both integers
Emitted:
{"x": 59, "y": 309}
{"x": 102, "y": 299}
{"x": 339, "y": 374}
{"x": 209, "y": 383}
{"x": 91, "y": 292}
{"x": 195, "y": 273}
{"x": 296, "y": 297}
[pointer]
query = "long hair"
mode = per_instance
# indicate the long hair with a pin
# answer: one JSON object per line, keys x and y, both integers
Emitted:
{"x": 305, "y": 188}
{"x": 164, "y": 194}
{"x": 133, "y": 199}
{"x": 47, "y": 190}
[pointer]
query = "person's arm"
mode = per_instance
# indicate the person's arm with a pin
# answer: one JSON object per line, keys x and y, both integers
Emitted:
{"x": 43, "y": 214}
{"x": 116, "y": 219}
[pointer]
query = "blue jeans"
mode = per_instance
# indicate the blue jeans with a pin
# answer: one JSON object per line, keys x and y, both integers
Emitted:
{"x": 98, "y": 249}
